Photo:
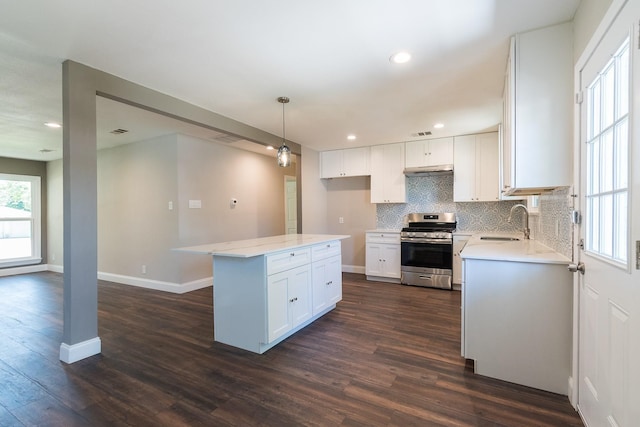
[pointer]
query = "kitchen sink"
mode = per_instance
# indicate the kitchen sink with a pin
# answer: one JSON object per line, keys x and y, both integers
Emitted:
{"x": 500, "y": 238}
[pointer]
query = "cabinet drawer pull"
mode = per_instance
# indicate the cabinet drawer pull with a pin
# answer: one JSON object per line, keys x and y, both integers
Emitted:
{"x": 292, "y": 254}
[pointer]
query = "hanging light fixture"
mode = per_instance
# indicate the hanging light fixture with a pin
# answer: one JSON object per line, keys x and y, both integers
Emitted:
{"x": 284, "y": 152}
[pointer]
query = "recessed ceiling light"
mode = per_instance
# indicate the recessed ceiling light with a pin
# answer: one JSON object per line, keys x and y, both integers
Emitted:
{"x": 400, "y": 57}
{"x": 438, "y": 126}
{"x": 269, "y": 147}
{"x": 53, "y": 125}
{"x": 351, "y": 137}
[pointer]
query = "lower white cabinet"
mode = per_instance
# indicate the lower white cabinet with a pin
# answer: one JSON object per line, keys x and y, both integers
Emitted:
{"x": 517, "y": 322}
{"x": 459, "y": 240}
{"x": 327, "y": 283}
{"x": 261, "y": 300}
{"x": 382, "y": 256}
{"x": 288, "y": 300}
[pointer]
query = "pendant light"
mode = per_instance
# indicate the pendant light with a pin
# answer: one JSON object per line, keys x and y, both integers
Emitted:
{"x": 284, "y": 152}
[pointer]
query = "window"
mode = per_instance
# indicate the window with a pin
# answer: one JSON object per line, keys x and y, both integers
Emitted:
{"x": 608, "y": 160}
{"x": 19, "y": 220}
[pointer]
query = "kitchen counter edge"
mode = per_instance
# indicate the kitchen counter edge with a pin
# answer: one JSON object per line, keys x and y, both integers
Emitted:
{"x": 261, "y": 246}
{"x": 530, "y": 251}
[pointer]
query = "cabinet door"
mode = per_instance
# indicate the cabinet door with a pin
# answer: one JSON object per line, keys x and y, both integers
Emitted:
{"x": 387, "y": 176}
{"x": 279, "y": 321}
{"x": 487, "y": 163}
{"x": 464, "y": 169}
{"x": 373, "y": 261}
{"x": 319, "y": 287}
{"x": 391, "y": 261}
{"x": 331, "y": 164}
{"x": 416, "y": 154}
{"x": 300, "y": 295}
{"x": 356, "y": 162}
{"x": 440, "y": 151}
{"x": 378, "y": 174}
{"x": 333, "y": 280}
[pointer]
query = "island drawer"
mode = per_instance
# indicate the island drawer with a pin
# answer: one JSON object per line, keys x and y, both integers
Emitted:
{"x": 382, "y": 237}
{"x": 285, "y": 260}
{"x": 325, "y": 250}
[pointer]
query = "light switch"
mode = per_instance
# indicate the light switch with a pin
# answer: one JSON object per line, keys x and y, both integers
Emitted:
{"x": 195, "y": 204}
{"x": 170, "y": 206}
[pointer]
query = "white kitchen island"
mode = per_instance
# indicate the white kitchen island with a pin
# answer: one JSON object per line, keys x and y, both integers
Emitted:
{"x": 517, "y": 304}
{"x": 267, "y": 289}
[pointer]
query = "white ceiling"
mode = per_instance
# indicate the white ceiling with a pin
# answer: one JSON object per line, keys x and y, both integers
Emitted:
{"x": 235, "y": 57}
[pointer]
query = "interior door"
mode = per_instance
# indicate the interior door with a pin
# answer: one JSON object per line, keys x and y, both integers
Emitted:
{"x": 609, "y": 289}
{"x": 290, "y": 205}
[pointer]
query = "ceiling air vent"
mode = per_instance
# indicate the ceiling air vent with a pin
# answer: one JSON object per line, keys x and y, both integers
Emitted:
{"x": 119, "y": 131}
{"x": 426, "y": 133}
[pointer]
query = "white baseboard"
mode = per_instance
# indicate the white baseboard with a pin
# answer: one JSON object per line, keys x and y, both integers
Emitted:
{"x": 359, "y": 269}
{"x": 73, "y": 353}
{"x": 55, "y": 268}
{"x": 23, "y": 270}
{"x": 176, "y": 288}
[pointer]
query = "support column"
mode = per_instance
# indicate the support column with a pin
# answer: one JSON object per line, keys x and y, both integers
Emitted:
{"x": 80, "y": 337}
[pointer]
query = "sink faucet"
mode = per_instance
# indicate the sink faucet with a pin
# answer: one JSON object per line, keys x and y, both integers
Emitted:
{"x": 527, "y": 231}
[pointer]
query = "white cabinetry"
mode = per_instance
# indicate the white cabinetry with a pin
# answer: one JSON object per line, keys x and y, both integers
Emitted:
{"x": 538, "y": 115}
{"x": 288, "y": 300}
{"x": 326, "y": 276}
{"x": 387, "y": 177}
{"x": 260, "y": 300}
{"x": 476, "y": 168}
{"x": 383, "y": 256}
{"x": 459, "y": 240}
{"x": 344, "y": 163}
{"x": 517, "y": 322}
{"x": 429, "y": 152}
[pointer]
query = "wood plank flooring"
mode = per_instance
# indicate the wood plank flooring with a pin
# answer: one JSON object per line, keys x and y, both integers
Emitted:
{"x": 388, "y": 355}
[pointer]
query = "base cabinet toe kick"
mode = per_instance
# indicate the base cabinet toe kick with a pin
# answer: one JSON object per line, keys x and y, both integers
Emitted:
{"x": 259, "y": 301}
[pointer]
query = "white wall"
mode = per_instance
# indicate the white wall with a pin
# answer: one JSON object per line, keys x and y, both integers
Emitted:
{"x": 585, "y": 22}
{"x": 55, "y": 249}
{"x": 137, "y": 181}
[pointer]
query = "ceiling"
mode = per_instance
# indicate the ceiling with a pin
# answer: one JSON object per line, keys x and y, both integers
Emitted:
{"x": 235, "y": 57}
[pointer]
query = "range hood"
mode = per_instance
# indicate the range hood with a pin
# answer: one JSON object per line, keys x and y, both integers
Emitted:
{"x": 429, "y": 170}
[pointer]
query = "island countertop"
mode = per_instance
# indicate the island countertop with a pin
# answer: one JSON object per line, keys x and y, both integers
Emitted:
{"x": 261, "y": 246}
{"x": 522, "y": 250}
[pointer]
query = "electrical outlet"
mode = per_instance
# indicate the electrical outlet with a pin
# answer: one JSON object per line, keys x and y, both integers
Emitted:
{"x": 170, "y": 206}
{"x": 144, "y": 269}
{"x": 557, "y": 227}
{"x": 53, "y": 257}
{"x": 341, "y": 220}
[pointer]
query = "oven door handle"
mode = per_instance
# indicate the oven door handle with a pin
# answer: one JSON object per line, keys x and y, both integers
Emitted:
{"x": 432, "y": 241}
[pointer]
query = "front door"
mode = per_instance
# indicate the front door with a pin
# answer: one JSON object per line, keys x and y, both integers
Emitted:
{"x": 609, "y": 290}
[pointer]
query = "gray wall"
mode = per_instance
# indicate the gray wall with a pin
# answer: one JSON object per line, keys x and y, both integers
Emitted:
{"x": 137, "y": 181}
{"x": 32, "y": 168}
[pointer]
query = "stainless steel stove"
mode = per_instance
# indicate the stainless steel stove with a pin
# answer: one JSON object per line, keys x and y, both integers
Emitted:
{"x": 427, "y": 249}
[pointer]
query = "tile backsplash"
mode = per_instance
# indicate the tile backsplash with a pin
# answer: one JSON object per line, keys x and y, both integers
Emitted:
{"x": 551, "y": 227}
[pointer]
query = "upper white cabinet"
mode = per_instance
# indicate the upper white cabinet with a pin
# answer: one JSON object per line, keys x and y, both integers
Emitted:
{"x": 430, "y": 152}
{"x": 344, "y": 163}
{"x": 536, "y": 145}
{"x": 387, "y": 177}
{"x": 476, "y": 170}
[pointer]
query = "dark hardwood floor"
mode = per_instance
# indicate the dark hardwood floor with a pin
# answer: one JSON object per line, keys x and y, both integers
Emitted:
{"x": 388, "y": 355}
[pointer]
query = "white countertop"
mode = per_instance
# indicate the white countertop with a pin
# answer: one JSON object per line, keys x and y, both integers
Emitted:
{"x": 261, "y": 246}
{"x": 383, "y": 230}
{"x": 518, "y": 251}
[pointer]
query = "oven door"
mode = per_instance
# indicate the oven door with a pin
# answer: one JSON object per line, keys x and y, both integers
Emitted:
{"x": 427, "y": 253}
